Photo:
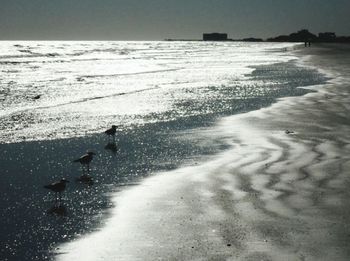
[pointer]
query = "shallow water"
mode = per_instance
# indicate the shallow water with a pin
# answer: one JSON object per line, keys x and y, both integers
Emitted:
{"x": 51, "y": 90}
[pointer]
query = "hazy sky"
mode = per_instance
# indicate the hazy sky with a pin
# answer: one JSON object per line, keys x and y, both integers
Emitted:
{"x": 159, "y": 19}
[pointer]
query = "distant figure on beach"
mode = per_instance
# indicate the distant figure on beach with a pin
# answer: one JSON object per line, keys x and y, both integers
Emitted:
{"x": 112, "y": 131}
{"x": 85, "y": 160}
{"x": 57, "y": 187}
{"x": 307, "y": 43}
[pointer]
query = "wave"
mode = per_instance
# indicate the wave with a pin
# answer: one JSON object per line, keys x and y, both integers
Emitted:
{"x": 120, "y": 51}
{"x": 30, "y": 55}
{"x": 81, "y": 78}
{"x": 87, "y": 99}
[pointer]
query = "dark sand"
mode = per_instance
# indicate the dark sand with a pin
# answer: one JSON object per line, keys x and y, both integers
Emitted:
{"x": 30, "y": 228}
{"x": 272, "y": 196}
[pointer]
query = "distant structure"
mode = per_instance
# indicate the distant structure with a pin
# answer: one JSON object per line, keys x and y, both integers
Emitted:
{"x": 215, "y": 37}
{"x": 300, "y": 36}
{"x": 327, "y": 37}
{"x": 307, "y": 37}
{"x": 252, "y": 39}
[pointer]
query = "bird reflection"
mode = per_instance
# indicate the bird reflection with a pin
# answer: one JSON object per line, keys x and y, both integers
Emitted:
{"x": 112, "y": 146}
{"x": 85, "y": 179}
{"x": 59, "y": 210}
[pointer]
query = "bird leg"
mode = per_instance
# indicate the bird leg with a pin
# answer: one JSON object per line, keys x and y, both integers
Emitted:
{"x": 55, "y": 198}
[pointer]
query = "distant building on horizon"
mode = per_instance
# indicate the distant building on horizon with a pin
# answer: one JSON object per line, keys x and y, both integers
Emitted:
{"x": 305, "y": 36}
{"x": 252, "y": 39}
{"x": 327, "y": 37}
{"x": 215, "y": 37}
{"x": 301, "y": 36}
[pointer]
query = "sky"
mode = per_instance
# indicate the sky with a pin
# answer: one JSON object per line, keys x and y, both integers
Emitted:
{"x": 161, "y": 19}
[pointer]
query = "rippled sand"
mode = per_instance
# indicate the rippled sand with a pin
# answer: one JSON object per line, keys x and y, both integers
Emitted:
{"x": 275, "y": 195}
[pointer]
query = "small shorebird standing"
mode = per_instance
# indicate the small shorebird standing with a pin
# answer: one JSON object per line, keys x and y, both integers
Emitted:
{"x": 57, "y": 187}
{"x": 112, "y": 131}
{"x": 86, "y": 159}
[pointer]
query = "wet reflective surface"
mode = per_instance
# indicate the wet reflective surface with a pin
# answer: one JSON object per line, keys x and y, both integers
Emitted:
{"x": 52, "y": 90}
{"x": 279, "y": 192}
{"x": 159, "y": 93}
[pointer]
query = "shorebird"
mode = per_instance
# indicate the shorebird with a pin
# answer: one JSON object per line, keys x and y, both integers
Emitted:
{"x": 57, "y": 187}
{"x": 112, "y": 131}
{"x": 86, "y": 159}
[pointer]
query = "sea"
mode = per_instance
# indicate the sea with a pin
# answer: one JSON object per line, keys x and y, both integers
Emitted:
{"x": 56, "y": 90}
{"x": 58, "y": 98}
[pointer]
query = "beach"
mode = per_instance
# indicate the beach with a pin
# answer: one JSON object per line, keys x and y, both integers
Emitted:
{"x": 274, "y": 195}
{"x": 267, "y": 183}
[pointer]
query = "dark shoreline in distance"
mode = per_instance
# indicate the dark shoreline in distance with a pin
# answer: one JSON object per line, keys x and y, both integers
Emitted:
{"x": 242, "y": 40}
{"x": 299, "y": 37}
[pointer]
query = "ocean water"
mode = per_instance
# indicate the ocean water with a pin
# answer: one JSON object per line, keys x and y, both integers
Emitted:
{"x": 85, "y": 87}
{"x": 163, "y": 95}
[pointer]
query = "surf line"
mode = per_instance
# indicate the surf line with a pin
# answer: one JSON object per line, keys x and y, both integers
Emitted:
{"x": 79, "y": 101}
{"x": 80, "y": 78}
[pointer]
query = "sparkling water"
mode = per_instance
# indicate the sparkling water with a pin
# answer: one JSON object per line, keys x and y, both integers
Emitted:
{"x": 51, "y": 90}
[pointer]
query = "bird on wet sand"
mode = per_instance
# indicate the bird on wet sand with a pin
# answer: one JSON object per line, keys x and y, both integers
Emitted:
{"x": 57, "y": 187}
{"x": 112, "y": 131}
{"x": 289, "y": 132}
{"x": 86, "y": 159}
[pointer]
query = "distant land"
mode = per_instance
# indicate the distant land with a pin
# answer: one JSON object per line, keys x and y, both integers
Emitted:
{"x": 301, "y": 36}
{"x": 305, "y": 36}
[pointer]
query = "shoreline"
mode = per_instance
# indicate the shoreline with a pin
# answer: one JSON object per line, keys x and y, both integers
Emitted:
{"x": 87, "y": 205}
{"x": 273, "y": 195}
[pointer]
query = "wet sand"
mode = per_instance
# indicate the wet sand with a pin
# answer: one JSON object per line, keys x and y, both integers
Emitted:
{"x": 274, "y": 195}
